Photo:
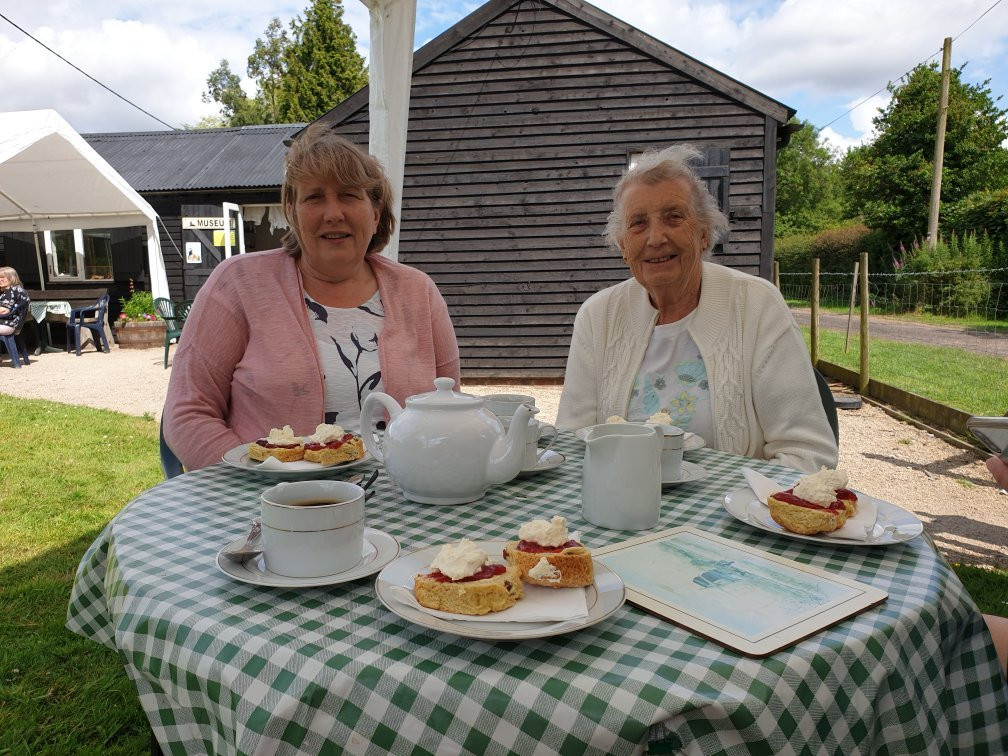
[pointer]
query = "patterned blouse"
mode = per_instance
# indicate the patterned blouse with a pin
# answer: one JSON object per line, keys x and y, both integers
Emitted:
{"x": 15, "y": 299}
{"x": 347, "y": 341}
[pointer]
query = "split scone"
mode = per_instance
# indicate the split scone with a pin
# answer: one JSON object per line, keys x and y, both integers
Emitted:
{"x": 462, "y": 580}
{"x": 280, "y": 443}
{"x": 545, "y": 555}
{"x": 331, "y": 445}
{"x": 818, "y": 503}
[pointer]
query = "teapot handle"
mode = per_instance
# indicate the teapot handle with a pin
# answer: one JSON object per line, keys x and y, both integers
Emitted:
{"x": 371, "y": 441}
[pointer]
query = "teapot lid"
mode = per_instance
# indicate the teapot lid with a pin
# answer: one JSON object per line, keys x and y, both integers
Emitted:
{"x": 444, "y": 397}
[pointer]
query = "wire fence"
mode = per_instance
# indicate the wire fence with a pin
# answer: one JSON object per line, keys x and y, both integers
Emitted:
{"x": 934, "y": 307}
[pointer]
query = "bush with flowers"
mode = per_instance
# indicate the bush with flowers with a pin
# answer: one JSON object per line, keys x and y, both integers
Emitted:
{"x": 138, "y": 308}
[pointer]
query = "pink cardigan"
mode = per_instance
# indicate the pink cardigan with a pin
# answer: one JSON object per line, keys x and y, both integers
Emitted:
{"x": 247, "y": 360}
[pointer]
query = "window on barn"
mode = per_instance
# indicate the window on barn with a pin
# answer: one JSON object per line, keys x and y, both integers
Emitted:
{"x": 80, "y": 254}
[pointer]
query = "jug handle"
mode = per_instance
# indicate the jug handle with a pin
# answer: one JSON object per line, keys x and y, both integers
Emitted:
{"x": 368, "y": 435}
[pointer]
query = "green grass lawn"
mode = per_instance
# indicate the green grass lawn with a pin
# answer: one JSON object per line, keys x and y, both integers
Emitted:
{"x": 66, "y": 471}
{"x": 974, "y": 383}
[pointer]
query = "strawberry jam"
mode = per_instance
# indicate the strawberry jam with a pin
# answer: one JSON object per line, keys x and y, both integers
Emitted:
{"x": 537, "y": 548}
{"x": 267, "y": 445}
{"x": 842, "y": 494}
{"x": 486, "y": 571}
{"x": 335, "y": 444}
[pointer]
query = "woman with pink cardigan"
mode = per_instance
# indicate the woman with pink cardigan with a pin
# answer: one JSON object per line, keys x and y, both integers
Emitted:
{"x": 300, "y": 335}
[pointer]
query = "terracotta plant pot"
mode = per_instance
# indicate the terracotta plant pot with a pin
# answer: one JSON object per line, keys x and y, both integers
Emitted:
{"x": 142, "y": 334}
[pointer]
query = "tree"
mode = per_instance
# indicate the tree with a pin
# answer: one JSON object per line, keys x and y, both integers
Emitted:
{"x": 298, "y": 76}
{"x": 808, "y": 185}
{"x": 323, "y": 66}
{"x": 888, "y": 182}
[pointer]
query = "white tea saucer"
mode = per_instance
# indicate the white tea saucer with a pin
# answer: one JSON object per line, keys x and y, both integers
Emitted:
{"x": 549, "y": 460}
{"x": 379, "y": 550}
{"x": 690, "y": 472}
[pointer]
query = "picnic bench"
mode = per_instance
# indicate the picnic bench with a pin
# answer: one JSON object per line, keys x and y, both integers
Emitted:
{"x": 78, "y": 296}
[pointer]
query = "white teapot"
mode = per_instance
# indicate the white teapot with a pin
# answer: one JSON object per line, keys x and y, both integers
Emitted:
{"x": 444, "y": 447}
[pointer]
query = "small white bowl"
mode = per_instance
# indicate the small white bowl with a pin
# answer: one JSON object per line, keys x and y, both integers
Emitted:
{"x": 312, "y": 540}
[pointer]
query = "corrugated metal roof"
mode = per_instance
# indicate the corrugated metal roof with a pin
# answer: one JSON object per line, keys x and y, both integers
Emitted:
{"x": 157, "y": 161}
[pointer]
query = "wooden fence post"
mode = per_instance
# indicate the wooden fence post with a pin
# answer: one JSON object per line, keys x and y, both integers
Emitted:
{"x": 814, "y": 323}
{"x": 863, "y": 389}
{"x": 850, "y": 307}
{"x": 776, "y": 274}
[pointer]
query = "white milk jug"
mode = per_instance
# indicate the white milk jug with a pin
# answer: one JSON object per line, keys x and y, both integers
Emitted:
{"x": 621, "y": 477}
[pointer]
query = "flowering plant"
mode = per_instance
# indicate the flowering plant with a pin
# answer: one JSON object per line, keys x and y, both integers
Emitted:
{"x": 138, "y": 308}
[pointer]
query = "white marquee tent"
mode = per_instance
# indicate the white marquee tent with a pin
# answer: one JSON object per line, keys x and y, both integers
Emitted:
{"x": 51, "y": 179}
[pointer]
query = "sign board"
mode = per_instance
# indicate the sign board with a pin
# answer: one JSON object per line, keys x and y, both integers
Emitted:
{"x": 218, "y": 238}
{"x": 206, "y": 224}
{"x": 193, "y": 252}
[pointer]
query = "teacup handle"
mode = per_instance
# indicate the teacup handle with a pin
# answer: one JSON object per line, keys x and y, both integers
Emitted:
{"x": 545, "y": 429}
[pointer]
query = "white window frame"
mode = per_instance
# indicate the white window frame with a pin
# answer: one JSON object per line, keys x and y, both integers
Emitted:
{"x": 54, "y": 273}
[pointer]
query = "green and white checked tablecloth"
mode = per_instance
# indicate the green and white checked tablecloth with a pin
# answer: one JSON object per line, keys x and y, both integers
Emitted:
{"x": 226, "y": 667}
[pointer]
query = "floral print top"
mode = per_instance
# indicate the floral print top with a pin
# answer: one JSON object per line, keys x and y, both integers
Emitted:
{"x": 15, "y": 299}
{"x": 347, "y": 342}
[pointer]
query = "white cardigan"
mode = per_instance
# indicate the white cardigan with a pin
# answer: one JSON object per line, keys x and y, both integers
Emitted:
{"x": 764, "y": 396}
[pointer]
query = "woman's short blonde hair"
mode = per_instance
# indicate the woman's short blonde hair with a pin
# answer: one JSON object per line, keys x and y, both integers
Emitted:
{"x": 668, "y": 164}
{"x": 322, "y": 153}
{"x": 12, "y": 276}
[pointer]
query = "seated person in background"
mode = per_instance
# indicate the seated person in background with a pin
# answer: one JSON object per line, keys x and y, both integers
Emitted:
{"x": 716, "y": 348}
{"x": 13, "y": 301}
{"x": 998, "y": 626}
{"x": 998, "y": 470}
{"x": 300, "y": 335}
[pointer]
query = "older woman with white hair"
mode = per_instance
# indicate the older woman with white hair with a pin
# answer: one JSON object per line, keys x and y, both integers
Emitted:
{"x": 714, "y": 347}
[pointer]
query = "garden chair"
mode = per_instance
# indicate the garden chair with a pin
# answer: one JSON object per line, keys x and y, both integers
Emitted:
{"x": 93, "y": 319}
{"x": 16, "y": 347}
{"x": 170, "y": 464}
{"x": 174, "y": 316}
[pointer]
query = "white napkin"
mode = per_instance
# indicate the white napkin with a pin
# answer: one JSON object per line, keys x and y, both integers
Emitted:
{"x": 860, "y": 527}
{"x": 272, "y": 463}
{"x": 537, "y": 605}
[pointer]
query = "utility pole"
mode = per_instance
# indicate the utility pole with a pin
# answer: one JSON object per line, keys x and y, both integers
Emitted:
{"x": 939, "y": 151}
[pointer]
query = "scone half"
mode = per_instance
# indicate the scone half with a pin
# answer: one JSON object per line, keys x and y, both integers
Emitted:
{"x": 492, "y": 594}
{"x": 574, "y": 564}
{"x": 291, "y": 453}
{"x": 326, "y": 454}
{"x": 806, "y": 520}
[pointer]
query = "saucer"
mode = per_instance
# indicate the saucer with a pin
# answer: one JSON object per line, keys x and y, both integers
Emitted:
{"x": 549, "y": 460}
{"x": 690, "y": 472}
{"x": 379, "y": 550}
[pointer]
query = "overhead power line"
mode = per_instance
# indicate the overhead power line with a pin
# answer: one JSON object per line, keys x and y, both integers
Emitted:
{"x": 124, "y": 99}
{"x": 926, "y": 60}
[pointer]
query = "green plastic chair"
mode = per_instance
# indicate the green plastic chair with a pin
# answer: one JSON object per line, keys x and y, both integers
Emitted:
{"x": 174, "y": 315}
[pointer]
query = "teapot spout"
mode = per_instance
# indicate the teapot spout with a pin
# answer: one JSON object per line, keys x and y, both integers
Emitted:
{"x": 508, "y": 452}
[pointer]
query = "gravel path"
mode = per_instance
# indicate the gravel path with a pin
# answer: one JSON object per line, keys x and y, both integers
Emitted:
{"x": 947, "y": 487}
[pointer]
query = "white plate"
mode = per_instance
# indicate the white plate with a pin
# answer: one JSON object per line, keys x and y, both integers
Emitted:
{"x": 691, "y": 441}
{"x": 604, "y": 597}
{"x": 549, "y": 461}
{"x": 379, "y": 550}
{"x": 690, "y": 472}
{"x": 894, "y": 524}
{"x": 238, "y": 457}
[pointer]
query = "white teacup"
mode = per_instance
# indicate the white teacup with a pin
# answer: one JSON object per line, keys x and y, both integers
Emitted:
{"x": 312, "y": 528}
{"x": 537, "y": 431}
{"x": 504, "y": 405}
{"x": 672, "y": 451}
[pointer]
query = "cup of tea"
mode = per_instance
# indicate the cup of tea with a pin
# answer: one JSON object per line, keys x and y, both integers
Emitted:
{"x": 672, "y": 451}
{"x": 504, "y": 405}
{"x": 312, "y": 528}
{"x": 534, "y": 435}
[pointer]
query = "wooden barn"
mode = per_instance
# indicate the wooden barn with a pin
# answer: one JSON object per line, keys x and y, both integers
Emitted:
{"x": 522, "y": 118}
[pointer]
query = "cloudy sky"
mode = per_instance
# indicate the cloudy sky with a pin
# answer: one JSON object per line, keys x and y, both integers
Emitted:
{"x": 821, "y": 57}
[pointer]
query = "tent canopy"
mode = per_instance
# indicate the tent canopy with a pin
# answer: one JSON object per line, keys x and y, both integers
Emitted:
{"x": 51, "y": 179}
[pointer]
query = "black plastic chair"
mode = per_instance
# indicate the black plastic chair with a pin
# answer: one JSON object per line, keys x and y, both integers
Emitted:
{"x": 828, "y": 403}
{"x": 93, "y": 319}
{"x": 174, "y": 315}
{"x": 170, "y": 464}
{"x": 16, "y": 347}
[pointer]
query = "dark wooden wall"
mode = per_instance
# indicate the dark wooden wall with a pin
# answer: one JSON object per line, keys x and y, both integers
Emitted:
{"x": 517, "y": 134}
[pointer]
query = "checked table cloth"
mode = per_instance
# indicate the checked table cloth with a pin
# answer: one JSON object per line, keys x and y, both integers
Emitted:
{"x": 222, "y": 666}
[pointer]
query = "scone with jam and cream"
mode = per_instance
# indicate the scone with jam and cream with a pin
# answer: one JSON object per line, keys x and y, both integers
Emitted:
{"x": 545, "y": 555}
{"x": 818, "y": 503}
{"x": 280, "y": 443}
{"x": 661, "y": 418}
{"x": 331, "y": 445}
{"x": 462, "y": 580}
